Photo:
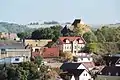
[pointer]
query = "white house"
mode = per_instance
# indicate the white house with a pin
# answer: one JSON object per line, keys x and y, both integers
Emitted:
{"x": 76, "y": 71}
{"x": 85, "y": 59}
{"x": 71, "y": 44}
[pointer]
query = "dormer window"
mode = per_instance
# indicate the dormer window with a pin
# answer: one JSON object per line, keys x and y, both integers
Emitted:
{"x": 109, "y": 73}
{"x": 66, "y": 41}
{"x": 117, "y": 74}
{"x": 100, "y": 72}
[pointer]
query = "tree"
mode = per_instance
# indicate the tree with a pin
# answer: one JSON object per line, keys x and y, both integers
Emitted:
{"x": 92, "y": 47}
{"x": 80, "y": 29}
{"x": 90, "y": 37}
{"x": 23, "y": 35}
{"x": 38, "y": 60}
{"x": 100, "y": 36}
{"x": 47, "y": 33}
{"x": 36, "y": 34}
{"x": 67, "y": 55}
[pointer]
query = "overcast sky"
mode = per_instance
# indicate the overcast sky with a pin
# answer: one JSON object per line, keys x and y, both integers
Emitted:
{"x": 90, "y": 11}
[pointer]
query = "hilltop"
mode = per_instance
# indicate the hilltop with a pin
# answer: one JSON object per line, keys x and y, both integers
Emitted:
{"x": 13, "y": 28}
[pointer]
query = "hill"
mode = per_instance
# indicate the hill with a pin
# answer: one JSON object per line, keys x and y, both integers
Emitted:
{"x": 13, "y": 28}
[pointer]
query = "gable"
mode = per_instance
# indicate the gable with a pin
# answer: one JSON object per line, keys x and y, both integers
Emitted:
{"x": 118, "y": 62}
{"x": 82, "y": 67}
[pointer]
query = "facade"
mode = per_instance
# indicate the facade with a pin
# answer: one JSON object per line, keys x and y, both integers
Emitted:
{"x": 38, "y": 43}
{"x": 85, "y": 59}
{"x": 25, "y": 53}
{"x": 71, "y": 44}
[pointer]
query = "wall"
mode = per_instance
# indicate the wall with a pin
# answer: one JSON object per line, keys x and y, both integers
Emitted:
{"x": 67, "y": 47}
{"x": 85, "y": 76}
{"x": 36, "y": 42}
{"x": 85, "y": 59}
{"x": 26, "y": 53}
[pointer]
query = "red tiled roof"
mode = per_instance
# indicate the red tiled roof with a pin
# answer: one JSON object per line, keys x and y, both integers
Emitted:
{"x": 70, "y": 38}
{"x": 50, "y": 52}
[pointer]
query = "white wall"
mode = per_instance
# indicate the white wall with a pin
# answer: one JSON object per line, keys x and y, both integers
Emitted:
{"x": 85, "y": 59}
{"x": 67, "y": 47}
{"x": 74, "y": 47}
{"x": 72, "y": 78}
{"x": 85, "y": 76}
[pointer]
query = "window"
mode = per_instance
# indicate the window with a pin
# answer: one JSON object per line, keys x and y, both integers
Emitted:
{"x": 84, "y": 74}
{"x": 26, "y": 57}
{"x": 67, "y": 47}
{"x": 36, "y": 44}
{"x": 75, "y": 47}
{"x": 74, "y": 51}
{"x": 16, "y": 59}
{"x": 36, "y": 50}
{"x": 3, "y": 51}
{"x": 81, "y": 58}
{"x": 89, "y": 59}
{"x": 100, "y": 72}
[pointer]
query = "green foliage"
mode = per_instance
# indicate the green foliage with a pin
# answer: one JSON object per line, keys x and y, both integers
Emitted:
{"x": 100, "y": 36}
{"x": 47, "y": 33}
{"x": 90, "y": 37}
{"x": 92, "y": 47}
{"x": 25, "y": 71}
{"x": 38, "y": 60}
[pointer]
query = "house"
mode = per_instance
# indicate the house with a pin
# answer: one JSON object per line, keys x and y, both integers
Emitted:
{"x": 109, "y": 73}
{"x": 71, "y": 44}
{"x": 85, "y": 59}
{"x": 25, "y": 53}
{"x": 14, "y": 50}
{"x": 76, "y": 71}
{"x": 35, "y": 45}
{"x": 112, "y": 60}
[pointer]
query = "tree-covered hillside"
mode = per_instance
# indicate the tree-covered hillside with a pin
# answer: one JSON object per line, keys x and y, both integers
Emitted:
{"x": 13, "y": 28}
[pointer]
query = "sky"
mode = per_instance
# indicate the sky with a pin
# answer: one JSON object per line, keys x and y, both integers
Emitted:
{"x": 90, "y": 11}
